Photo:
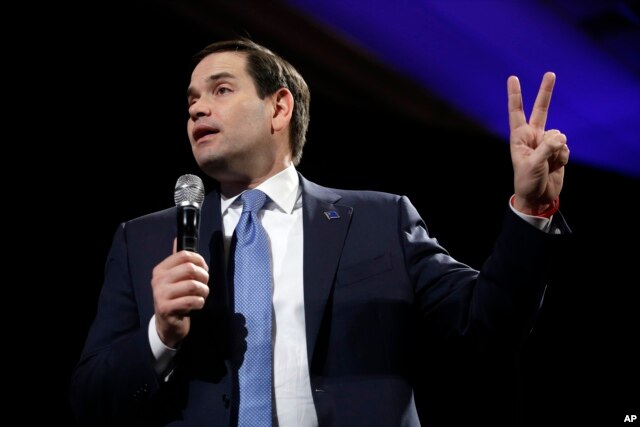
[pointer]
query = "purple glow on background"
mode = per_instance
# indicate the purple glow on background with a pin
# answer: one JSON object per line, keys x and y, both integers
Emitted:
{"x": 464, "y": 50}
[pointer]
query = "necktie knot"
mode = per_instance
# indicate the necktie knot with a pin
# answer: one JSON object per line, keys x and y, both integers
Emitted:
{"x": 253, "y": 200}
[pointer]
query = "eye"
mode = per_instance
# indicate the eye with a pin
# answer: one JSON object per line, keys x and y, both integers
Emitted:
{"x": 222, "y": 90}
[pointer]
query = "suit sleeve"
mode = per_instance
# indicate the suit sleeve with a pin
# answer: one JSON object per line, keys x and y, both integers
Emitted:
{"x": 496, "y": 305}
{"x": 115, "y": 379}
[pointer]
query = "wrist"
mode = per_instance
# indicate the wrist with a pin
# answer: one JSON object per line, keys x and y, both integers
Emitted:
{"x": 545, "y": 210}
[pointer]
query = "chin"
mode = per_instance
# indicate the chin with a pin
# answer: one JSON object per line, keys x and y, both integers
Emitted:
{"x": 213, "y": 166}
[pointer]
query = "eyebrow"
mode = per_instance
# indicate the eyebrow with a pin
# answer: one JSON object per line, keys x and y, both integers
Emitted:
{"x": 211, "y": 78}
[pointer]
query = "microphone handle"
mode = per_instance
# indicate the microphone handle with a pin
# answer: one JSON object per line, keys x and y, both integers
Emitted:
{"x": 188, "y": 228}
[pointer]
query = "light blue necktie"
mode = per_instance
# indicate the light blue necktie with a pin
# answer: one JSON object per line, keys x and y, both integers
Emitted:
{"x": 253, "y": 300}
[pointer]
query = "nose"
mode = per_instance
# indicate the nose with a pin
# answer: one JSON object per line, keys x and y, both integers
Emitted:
{"x": 199, "y": 108}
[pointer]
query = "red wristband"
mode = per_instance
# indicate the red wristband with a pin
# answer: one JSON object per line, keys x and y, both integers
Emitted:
{"x": 555, "y": 205}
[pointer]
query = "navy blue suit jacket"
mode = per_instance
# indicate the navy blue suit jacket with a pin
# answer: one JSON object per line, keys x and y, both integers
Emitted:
{"x": 376, "y": 285}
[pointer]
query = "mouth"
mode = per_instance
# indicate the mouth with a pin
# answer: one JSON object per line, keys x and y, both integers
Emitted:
{"x": 203, "y": 131}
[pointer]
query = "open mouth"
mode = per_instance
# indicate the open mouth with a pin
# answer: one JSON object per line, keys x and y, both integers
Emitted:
{"x": 201, "y": 132}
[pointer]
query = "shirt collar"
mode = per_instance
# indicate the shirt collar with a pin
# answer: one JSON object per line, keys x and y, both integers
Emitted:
{"x": 282, "y": 189}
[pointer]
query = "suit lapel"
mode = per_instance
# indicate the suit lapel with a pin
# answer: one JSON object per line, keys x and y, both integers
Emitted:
{"x": 210, "y": 229}
{"x": 325, "y": 228}
{"x": 205, "y": 351}
{"x": 211, "y": 247}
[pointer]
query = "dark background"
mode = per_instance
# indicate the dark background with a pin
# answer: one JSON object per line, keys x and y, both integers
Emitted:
{"x": 104, "y": 111}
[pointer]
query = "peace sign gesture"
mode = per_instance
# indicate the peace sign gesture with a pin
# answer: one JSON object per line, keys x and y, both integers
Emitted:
{"x": 538, "y": 156}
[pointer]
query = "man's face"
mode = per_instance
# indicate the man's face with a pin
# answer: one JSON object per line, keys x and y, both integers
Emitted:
{"x": 229, "y": 126}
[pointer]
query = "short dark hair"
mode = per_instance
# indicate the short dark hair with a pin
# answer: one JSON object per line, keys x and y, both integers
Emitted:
{"x": 270, "y": 73}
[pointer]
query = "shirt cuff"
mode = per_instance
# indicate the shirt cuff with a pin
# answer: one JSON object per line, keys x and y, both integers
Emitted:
{"x": 539, "y": 222}
{"x": 163, "y": 354}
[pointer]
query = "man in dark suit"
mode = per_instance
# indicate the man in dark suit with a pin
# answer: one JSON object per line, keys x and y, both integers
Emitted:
{"x": 358, "y": 283}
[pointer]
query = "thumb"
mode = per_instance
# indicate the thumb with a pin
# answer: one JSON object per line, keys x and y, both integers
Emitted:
{"x": 175, "y": 245}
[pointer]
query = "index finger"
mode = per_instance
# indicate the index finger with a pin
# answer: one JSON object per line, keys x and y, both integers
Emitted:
{"x": 516, "y": 112}
{"x": 541, "y": 106}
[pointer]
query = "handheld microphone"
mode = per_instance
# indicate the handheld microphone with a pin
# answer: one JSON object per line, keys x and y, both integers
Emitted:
{"x": 188, "y": 195}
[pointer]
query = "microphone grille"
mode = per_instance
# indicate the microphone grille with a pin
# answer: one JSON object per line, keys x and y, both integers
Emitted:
{"x": 189, "y": 190}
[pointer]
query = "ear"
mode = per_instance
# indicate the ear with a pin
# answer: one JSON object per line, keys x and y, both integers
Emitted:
{"x": 282, "y": 109}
